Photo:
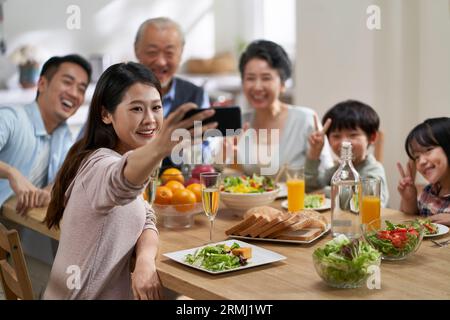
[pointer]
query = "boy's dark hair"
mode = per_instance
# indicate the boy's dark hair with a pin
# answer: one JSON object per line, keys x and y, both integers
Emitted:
{"x": 51, "y": 66}
{"x": 352, "y": 114}
{"x": 433, "y": 132}
{"x": 271, "y": 52}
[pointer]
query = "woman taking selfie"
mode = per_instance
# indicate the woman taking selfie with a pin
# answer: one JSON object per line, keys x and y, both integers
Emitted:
{"x": 97, "y": 195}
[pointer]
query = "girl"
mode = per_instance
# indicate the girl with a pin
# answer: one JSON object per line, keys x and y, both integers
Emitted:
{"x": 428, "y": 147}
{"x": 99, "y": 187}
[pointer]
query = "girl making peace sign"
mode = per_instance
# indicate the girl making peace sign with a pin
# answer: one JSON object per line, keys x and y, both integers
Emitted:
{"x": 428, "y": 147}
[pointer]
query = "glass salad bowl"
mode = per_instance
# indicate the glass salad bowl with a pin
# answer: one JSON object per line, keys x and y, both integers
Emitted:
{"x": 394, "y": 240}
{"x": 344, "y": 263}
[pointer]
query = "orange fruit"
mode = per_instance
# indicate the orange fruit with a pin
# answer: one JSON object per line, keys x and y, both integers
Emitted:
{"x": 163, "y": 195}
{"x": 174, "y": 185}
{"x": 172, "y": 174}
{"x": 185, "y": 198}
{"x": 196, "y": 188}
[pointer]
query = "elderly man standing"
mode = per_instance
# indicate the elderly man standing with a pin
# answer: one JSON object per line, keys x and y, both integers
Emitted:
{"x": 35, "y": 138}
{"x": 159, "y": 45}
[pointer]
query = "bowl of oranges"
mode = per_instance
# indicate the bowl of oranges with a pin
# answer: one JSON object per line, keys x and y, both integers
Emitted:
{"x": 177, "y": 200}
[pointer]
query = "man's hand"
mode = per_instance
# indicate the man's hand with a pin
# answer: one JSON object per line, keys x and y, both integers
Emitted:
{"x": 317, "y": 139}
{"x": 28, "y": 196}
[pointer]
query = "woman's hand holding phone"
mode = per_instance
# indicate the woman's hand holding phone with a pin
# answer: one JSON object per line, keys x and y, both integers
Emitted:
{"x": 176, "y": 120}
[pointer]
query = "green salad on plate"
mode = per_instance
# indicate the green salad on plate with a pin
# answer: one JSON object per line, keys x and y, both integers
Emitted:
{"x": 216, "y": 258}
{"x": 313, "y": 201}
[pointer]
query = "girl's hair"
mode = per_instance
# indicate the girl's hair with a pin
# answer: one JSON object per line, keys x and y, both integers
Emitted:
{"x": 434, "y": 132}
{"x": 109, "y": 92}
{"x": 272, "y": 53}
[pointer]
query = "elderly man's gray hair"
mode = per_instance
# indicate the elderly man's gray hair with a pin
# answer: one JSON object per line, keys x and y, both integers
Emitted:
{"x": 160, "y": 23}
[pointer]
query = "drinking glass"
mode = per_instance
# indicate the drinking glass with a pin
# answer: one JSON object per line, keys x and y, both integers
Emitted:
{"x": 370, "y": 205}
{"x": 210, "y": 196}
{"x": 150, "y": 190}
{"x": 295, "y": 182}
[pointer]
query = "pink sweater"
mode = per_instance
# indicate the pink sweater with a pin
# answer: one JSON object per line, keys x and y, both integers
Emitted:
{"x": 102, "y": 221}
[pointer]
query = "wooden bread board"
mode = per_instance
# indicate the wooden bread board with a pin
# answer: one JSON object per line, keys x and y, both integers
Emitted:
{"x": 266, "y": 223}
{"x": 301, "y": 235}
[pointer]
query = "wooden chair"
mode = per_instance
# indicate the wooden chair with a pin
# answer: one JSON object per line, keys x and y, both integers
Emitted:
{"x": 14, "y": 278}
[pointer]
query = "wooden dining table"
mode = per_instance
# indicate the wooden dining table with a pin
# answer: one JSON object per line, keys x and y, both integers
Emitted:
{"x": 423, "y": 275}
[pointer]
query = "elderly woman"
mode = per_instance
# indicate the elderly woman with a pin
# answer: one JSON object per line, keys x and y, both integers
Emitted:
{"x": 265, "y": 67}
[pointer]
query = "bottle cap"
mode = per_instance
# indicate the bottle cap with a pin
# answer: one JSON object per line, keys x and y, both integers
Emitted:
{"x": 346, "y": 144}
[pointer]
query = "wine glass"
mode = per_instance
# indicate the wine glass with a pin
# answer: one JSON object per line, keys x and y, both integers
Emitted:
{"x": 150, "y": 190}
{"x": 210, "y": 196}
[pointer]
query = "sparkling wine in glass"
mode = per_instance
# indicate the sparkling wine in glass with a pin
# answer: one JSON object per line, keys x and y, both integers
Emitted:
{"x": 210, "y": 197}
{"x": 150, "y": 190}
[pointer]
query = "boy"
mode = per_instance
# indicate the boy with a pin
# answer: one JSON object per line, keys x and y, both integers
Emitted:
{"x": 353, "y": 121}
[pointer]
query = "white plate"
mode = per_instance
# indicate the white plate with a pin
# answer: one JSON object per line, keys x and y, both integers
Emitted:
{"x": 280, "y": 240}
{"x": 260, "y": 256}
{"x": 326, "y": 205}
{"x": 441, "y": 230}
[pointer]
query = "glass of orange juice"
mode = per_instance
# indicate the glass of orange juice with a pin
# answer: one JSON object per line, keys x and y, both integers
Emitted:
{"x": 371, "y": 204}
{"x": 295, "y": 182}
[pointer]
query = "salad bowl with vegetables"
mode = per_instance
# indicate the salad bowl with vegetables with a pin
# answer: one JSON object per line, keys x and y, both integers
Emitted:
{"x": 345, "y": 263}
{"x": 243, "y": 192}
{"x": 395, "y": 241}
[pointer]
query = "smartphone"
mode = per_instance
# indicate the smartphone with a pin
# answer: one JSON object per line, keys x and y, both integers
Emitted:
{"x": 226, "y": 118}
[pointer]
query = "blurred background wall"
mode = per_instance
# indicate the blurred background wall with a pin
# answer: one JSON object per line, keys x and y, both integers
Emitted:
{"x": 402, "y": 70}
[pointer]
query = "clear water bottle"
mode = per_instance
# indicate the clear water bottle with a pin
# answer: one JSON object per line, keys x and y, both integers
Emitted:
{"x": 345, "y": 196}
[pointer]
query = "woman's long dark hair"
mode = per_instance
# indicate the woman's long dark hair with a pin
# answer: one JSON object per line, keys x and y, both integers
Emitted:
{"x": 434, "y": 132}
{"x": 110, "y": 89}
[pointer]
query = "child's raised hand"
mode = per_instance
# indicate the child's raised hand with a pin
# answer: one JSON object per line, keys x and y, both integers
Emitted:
{"x": 317, "y": 139}
{"x": 406, "y": 185}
